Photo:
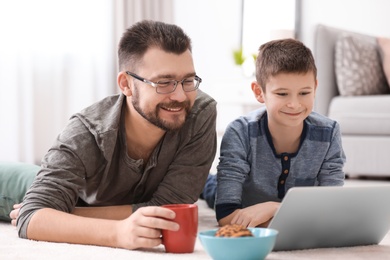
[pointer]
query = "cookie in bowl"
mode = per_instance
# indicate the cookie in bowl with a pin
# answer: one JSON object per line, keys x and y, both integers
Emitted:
{"x": 233, "y": 230}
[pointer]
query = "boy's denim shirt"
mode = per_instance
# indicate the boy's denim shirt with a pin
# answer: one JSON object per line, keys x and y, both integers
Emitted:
{"x": 250, "y": 171}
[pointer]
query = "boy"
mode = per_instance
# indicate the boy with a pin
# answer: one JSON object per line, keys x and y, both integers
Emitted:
{"x": 279, "y": 146}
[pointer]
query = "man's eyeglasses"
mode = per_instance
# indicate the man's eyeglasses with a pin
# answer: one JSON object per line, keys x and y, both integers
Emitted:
{"x": 168, "y": 86}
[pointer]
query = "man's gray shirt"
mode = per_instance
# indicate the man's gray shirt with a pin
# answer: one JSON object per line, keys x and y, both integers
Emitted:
{"x": 88, "y": 162}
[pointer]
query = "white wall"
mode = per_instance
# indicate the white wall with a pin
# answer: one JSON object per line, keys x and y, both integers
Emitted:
{"x": 364, "y": 16}
{"x": 215, "y": 29}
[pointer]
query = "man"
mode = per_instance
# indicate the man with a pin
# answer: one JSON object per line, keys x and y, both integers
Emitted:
{"x": 127, "y": 154}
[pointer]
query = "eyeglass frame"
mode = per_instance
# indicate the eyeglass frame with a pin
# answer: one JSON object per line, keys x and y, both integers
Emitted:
{"x": 176, "y": 82}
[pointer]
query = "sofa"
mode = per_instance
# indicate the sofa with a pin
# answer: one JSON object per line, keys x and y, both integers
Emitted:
{"x": 353, "y": 89}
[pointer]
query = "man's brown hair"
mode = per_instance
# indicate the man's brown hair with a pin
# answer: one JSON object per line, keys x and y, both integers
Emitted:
{"x": 146, "y": 34}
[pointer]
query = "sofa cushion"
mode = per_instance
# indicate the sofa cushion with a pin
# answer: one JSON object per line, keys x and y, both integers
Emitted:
{"x": 358, "y": 67}
{"x": 362, "y": 115}
{"x": 384, "y": 44}
{"x": 15, "y": 179}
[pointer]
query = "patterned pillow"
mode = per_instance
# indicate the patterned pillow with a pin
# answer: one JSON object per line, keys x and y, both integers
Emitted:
{"x": 384, "y": 44}
{"x": 358, "y": 67}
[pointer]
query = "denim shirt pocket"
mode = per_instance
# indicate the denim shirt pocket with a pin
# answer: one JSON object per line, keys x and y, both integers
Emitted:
{"x": 299, "y": 182}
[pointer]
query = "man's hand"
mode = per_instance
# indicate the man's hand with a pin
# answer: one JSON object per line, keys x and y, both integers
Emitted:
{"x": 255, "y": 215}
{"x": 143, "y": 228}
{"x": 15, "y": 213}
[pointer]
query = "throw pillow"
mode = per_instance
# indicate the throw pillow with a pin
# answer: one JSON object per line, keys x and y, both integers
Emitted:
{"x": 358, "y": 67}
{"x": 384, "y": 44}
{"x": 15, "y": 179}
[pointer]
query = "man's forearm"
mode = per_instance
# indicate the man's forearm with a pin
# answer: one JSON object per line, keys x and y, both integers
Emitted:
{"x": 56, "y": 226}
{"x": 108, "y": 212}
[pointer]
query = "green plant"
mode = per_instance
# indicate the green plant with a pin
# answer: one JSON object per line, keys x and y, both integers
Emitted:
{"x": 239, "y": 57}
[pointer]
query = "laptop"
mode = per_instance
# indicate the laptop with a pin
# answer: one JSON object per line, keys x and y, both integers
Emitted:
{"x": 318, "y": 217}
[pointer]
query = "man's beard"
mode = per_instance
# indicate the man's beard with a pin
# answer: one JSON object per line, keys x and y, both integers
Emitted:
{"x": 153, "y": 117}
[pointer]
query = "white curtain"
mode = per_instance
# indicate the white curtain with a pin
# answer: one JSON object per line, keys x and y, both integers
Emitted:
{"x": 128, "y": 12}
{"x": 57, "y": 57}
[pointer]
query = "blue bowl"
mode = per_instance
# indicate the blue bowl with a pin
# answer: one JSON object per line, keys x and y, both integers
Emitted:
{"x": 230, "y": 248}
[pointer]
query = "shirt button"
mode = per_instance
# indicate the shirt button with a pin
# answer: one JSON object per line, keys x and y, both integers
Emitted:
{"x": 282, "y": 182}
{"x": 285, "y": 171}
{"x": 285, "y": 158}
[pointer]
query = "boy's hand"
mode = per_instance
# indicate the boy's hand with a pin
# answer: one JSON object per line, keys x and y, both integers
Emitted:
{"x": 15, "y": 213}
{"x": 256, "y": 215}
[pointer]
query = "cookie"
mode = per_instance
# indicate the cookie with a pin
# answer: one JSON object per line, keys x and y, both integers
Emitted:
{"x": 233, "y": 230}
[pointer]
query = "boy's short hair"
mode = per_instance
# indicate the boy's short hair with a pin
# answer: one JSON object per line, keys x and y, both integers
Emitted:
{"x": 146, "y": 34}
{"x": 283, "y": 56}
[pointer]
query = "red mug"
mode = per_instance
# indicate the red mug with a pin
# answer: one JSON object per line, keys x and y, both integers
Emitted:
{"x": 183, "y": 240}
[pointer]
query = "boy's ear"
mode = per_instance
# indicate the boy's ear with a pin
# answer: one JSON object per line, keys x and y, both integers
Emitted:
{"x": 257, "y": 91}
{"x": 124, "y": 84}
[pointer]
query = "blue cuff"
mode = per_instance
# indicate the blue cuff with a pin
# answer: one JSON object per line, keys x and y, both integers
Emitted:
{"x": 223, "y": 210}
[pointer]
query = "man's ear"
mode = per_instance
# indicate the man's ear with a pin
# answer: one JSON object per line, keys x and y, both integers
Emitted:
{"x": 124, "y": 84}
{"x": 257, "y": 91}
